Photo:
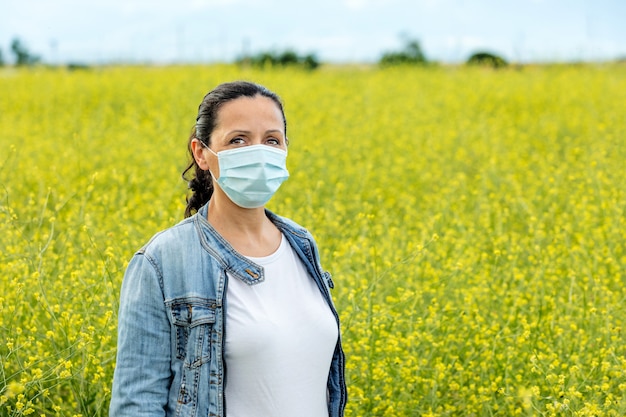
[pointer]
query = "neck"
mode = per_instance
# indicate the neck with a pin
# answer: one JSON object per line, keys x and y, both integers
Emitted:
{"x": 249, "y": 231}
{"x": 224, "y": 213}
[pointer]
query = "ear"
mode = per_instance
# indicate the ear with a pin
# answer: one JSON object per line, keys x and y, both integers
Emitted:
{"x": 200, "y": 154}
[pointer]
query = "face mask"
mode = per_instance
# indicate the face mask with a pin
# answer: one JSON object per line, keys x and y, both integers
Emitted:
{"x": 251, "y": 175}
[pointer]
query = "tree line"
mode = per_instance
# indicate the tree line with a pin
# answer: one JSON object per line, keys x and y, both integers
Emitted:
{"x": 410, "y": 54}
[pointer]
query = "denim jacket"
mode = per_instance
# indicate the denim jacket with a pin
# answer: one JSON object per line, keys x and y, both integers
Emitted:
{"x": 171, "y": 332}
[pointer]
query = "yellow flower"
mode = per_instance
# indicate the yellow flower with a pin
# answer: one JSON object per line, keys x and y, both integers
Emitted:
{"x": 13, "y": 389}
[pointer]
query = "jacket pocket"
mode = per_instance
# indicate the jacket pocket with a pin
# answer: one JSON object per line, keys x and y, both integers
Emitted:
{"x": 193, "y": 320}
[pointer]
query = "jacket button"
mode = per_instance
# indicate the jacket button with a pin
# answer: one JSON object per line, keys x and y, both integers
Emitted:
{"x": 253, "y": 274}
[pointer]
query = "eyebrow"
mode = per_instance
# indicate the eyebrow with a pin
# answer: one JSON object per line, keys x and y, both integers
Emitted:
{"x": 248, "y": 131}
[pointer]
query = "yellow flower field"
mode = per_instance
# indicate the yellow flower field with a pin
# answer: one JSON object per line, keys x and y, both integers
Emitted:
{"x": 473, "y": 221}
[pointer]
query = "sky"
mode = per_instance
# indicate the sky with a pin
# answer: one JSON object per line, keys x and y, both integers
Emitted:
{"x": 340, "y": 31}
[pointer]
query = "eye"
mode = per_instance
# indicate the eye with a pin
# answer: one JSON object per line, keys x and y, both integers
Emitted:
{"x": 237, "y": 140}
{"x": 273, "y": 141}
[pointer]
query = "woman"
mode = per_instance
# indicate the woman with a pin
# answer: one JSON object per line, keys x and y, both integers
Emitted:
{"x": 229, "y": 312}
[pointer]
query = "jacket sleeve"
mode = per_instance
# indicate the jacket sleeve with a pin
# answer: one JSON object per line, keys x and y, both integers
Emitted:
{"x": 142, "y": 373}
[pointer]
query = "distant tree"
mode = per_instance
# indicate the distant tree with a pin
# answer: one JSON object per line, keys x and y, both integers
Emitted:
{"x": 487, "y": 59}
{"x": 411, "y": 54}
{"x": 310, "y": 62}
{"x": 1, "y": 59}
{"x": 22, "y": 55}
{"x": 287, "y": 58}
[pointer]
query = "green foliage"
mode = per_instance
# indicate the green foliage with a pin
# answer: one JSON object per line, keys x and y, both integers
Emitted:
{"x": 411, "y": 54}
{"x": 287, "y": 58}
{"x": 77, "y": 66}
{"x": 487, "y": 59}
{"x": 23, "y": 57}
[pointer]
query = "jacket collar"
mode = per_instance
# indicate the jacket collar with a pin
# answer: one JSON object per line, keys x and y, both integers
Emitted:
{"x": 232, "y": 261}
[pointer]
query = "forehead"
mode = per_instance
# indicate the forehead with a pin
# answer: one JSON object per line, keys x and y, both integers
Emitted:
{"x": 250, "y": 110}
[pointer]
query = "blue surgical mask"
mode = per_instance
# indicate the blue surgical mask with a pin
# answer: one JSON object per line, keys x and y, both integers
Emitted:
{"x": 250, "y": 175}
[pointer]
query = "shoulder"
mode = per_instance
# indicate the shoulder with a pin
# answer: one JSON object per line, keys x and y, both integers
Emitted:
{"x": 177, "y": 236}
{"x": 167, "y": 252}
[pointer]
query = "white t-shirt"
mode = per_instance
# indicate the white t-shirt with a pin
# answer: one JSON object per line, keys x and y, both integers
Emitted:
{"x": 280, "y": 339}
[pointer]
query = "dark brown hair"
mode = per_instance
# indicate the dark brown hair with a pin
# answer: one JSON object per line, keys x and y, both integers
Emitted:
{"x": 199, "y": 180}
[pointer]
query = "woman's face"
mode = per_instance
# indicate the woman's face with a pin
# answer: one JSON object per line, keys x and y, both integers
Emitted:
{"x": 242, "y": 122}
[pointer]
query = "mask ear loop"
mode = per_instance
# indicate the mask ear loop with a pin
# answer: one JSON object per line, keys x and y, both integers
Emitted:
{"x": 207, "y": 147}
{"x": 204, "y": 145}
